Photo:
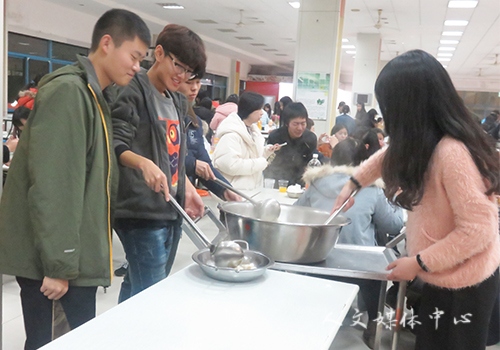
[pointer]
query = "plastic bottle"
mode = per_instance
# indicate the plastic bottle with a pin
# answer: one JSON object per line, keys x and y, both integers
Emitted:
{"x": 314, "y": 162}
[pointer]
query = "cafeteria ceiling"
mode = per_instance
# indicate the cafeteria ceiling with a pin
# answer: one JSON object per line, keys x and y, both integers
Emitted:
{"x": 268, "y": 33}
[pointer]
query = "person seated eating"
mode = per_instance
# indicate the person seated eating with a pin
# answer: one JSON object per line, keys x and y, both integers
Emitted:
{"x": 291, "y": 160}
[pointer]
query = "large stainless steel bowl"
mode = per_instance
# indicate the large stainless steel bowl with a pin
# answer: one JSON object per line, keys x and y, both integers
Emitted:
{"x": 298, "y": 236}
{"x": 228, "y": 274}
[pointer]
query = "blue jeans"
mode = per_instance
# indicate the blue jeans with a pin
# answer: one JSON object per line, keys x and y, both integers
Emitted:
{"x": 150, "y": 253}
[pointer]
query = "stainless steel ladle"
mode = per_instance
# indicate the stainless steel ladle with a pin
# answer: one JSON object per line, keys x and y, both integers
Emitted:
{"x": 225, "y": 254}
{"x": 268, "y": 210}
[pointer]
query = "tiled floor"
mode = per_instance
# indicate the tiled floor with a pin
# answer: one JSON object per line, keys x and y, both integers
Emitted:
{"x": 348, "y": 337}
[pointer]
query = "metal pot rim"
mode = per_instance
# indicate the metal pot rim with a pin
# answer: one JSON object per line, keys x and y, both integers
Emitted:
{"x": 220, "y": 206}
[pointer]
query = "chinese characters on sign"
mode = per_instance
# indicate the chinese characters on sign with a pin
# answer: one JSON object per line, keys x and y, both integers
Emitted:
{"x": 388, "y": 321}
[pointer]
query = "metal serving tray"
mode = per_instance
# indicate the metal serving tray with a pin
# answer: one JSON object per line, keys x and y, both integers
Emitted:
{"x": 348, "y": 261}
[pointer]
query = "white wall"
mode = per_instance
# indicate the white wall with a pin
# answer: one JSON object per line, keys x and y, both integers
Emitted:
{"x": 49, "y": 21}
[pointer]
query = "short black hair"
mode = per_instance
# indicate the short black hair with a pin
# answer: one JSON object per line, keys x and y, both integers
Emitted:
{"x": 206, "y": 102}
{"x": 186, "y": 45}
{"x": 345, "y": 109}
{"x": 233, "y": 98}
{"x": 341, "y": 104}
{"x": 121, "y": 25}
{"x": 337, "y": 127}
{"x": 292, "y": 111}
{"x": 344, "y": 152}
{"x": 20, "y": 113}
{"x": 249, "y": 102}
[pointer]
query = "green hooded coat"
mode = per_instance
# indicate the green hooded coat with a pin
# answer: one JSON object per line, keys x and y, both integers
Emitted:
{"x": 55, "y": 212}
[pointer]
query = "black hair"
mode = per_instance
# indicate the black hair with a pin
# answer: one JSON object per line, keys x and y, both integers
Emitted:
{"x": 206, "y": 102}
{"x": 336, "y": 128}
{"x": 292, "y": 111}
{"x": 233, "y": 98}
{"x": 343, "y": 153}
{"x": 370, "y": 138}
{"x": 379, "y": 131}
{"x": 341, "y": 104}
{"x": 352, "y": 152}
{"x": 345, "y": 109}
{"x": 20, "y": 113}
{"x": 420, "y": 106}
{"x": 269, "y": 109}
{"x": 277, "y": 108}
{"x": 285, "y": 100}
{"x": 249, "y": 102}
{"x": 367, "y": 119}
{"x": 121, "y": 25}
{"x": 185, "y": 45}
{"x": 310, "y": 124}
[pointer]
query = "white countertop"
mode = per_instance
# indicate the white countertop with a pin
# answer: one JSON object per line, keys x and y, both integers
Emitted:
{"x": 192, "y": 311}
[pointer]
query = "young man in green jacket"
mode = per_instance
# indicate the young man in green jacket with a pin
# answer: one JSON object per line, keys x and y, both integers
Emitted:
{"x": 55, "y": 213}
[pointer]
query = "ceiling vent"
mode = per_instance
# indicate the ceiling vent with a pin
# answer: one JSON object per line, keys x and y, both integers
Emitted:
{"x": 243, "y": 38}
{"x": 258, "y": 44}
{"x": 226, "y": 30}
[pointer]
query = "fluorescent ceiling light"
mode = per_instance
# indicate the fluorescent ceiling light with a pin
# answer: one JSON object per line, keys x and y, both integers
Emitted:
{"x": 172, "y": 6}
{"x": 445, "y": 66}
{"x": 348, "y": 46}
{"x": 350, "y": 52}
{"x": 453, "y": 33}
{"x": 444, "y": 54}
{"x": 449, "y": 42}
{"x": 443, "y": 59}
{"x": 455, "y": 23}
{"x": 24, "y": 44}
{"x": 463, "y": 4}
{"x": 446, "y": 48}
{"x": 344, "y": 40}
{"x": 294, "y": 4}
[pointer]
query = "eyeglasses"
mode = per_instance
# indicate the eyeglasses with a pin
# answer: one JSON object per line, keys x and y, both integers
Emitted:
{"x": 180, "y": 69}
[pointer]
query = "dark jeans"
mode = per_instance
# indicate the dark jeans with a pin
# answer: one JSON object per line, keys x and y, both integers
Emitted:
{"x": 150, "y": 254}
{"x": 78, "y": 304}
{"x": 453, "y": 307}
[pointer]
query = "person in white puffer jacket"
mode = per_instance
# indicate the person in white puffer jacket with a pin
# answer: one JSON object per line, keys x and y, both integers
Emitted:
{"x": 241, "y": 155}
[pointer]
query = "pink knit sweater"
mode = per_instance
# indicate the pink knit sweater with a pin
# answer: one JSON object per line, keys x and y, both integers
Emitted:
{"x": 455, "y": 226}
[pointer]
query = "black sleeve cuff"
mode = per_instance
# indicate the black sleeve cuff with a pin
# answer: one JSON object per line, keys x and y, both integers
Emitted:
{"x": 120, "y": 149}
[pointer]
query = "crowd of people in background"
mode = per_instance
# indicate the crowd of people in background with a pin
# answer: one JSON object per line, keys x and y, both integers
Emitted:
{"x": 170, "y": 141}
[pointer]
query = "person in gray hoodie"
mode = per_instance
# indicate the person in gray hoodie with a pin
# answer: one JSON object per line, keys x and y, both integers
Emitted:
{"x": 373, "y": 218}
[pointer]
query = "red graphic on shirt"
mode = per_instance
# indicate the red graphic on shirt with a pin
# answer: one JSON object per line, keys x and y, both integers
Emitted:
{"x": 173, "y": 146}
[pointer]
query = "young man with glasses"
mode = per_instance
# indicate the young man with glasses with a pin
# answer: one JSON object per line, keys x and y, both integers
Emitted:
{"x": 150, "y": 144}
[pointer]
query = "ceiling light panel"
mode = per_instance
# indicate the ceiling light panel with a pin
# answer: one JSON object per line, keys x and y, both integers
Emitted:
{"x": 446, "y": 48}
{"x": 452, "y": 33}
{"x": 294, "y": 4}
{"x": 348, "y": 46}
{"x": 445, "y": 54}
{"x": 350, "y": 52}
{"x": 462, "y": 4}
{"x": 171, "y": 6}
{"x": 448, "y": 42}
{"x": 344, "y": 40}
{"x": 444, "y": 59}
{"x": 455, "y": 23}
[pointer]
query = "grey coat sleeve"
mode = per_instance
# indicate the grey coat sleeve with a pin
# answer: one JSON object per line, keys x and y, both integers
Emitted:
{"x": 388, "y": 218}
